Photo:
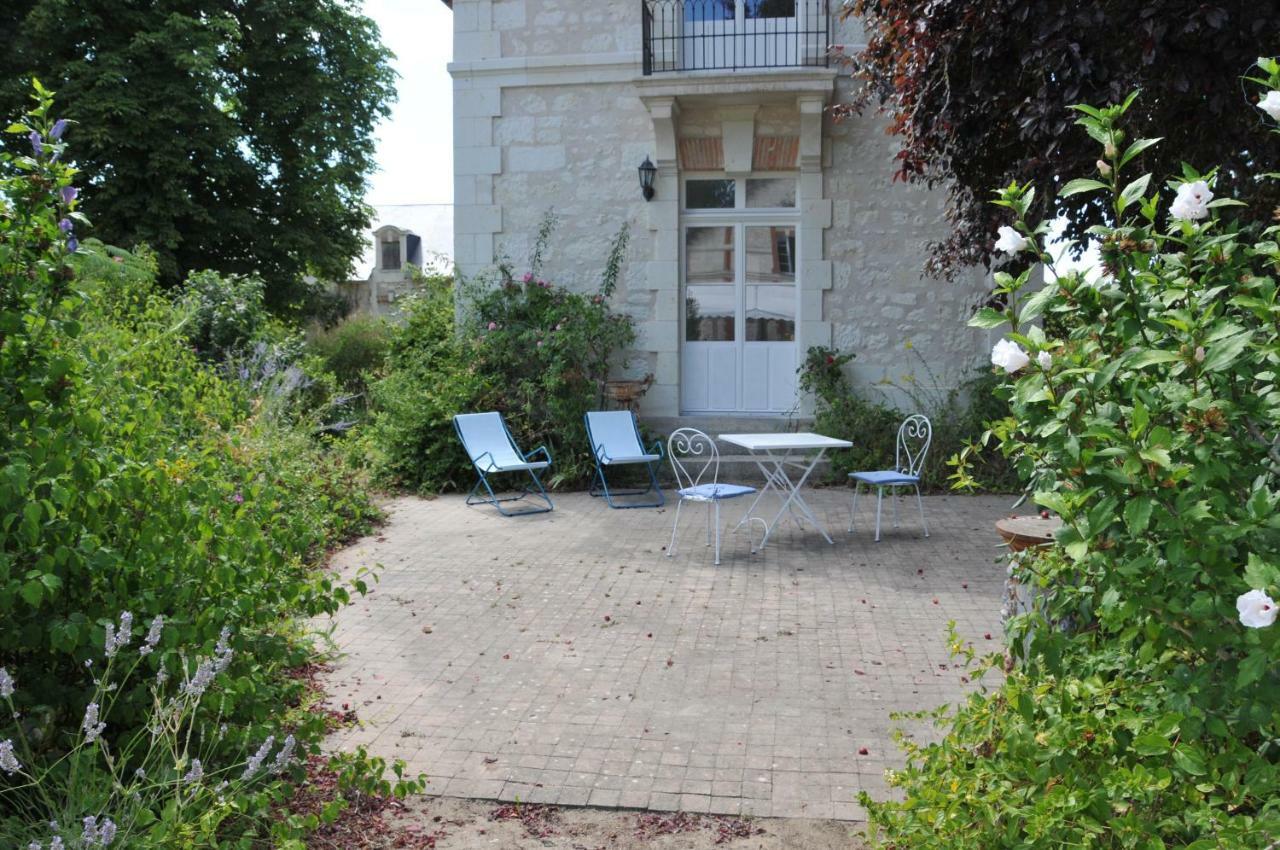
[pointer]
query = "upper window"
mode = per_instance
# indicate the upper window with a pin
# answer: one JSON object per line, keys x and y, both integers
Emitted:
{"x": 702, "y": 193}
{"x": 710, "y": 194}
{"x": 771, "y": 192}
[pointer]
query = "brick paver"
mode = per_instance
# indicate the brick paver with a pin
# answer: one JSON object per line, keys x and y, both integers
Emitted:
{"x": 562, "y": 659}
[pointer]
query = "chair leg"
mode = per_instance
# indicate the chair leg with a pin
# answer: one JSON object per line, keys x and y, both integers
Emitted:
{"x": 853, "y": 508}
{"x": 920, "y": 505}
{"x": 717, "y": 504}
{"x": 709, "y": 504}
{"x": 893, "y": 497}
{"x": 674, "y": 528}
{"x": 879, "y": 502}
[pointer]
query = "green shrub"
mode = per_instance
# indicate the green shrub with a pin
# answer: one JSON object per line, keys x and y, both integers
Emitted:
{"x": 428, "y": 378}
{"x": 137, "y": 476}
{"x": 353, "y": 350}
{"x": 538, "y": 353}
{"x": 957, "y": 415}
{"x": 1139, "y": 709}
{"x": 226, "y": 312}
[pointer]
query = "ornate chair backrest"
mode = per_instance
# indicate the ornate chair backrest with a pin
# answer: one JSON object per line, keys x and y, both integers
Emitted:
{"x": 694, "y": 457}
{"x": 914, "y": 436}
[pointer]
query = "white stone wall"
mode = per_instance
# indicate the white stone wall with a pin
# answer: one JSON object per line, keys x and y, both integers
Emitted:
{"x": 552, "y": 113}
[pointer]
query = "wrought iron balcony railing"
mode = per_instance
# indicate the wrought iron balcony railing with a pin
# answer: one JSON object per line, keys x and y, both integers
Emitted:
{"x": 703, "y": 35}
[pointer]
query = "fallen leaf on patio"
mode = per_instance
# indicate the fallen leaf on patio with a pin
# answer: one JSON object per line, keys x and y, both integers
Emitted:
{"x": 862, "y": 751}
{"x": 860, "y": 672}
{"x": 490, "y": 760}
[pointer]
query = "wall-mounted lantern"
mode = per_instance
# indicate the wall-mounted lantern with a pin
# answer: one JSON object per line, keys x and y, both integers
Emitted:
{"x": 647, "y": 172}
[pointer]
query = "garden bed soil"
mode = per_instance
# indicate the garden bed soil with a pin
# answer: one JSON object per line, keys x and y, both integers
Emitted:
{"x": 452, "y": 824}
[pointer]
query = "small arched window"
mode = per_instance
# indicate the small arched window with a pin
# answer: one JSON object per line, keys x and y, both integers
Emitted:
{"x": 389, "y": 251}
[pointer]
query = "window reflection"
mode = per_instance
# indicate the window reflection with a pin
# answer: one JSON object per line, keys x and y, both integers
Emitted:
{"x": 769, "y": 8}
{"x": 709, "y": 194}
{"x": 698, "y": 11}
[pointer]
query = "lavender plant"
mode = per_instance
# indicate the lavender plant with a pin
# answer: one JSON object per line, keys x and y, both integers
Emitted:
{"x": 137, "y": 788}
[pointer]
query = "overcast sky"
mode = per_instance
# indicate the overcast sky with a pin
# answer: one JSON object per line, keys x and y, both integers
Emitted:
{"x": 415, "y": 146}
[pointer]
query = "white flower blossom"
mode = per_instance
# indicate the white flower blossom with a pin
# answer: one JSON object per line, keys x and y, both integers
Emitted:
{"x": 35, "y": 845}
{"x": 254, "y": 764}
{"x": 1009, "y": 356}
{"x": 195, "y": 774}
{"x": 56, "y": 843}
{"x": 1199, "y": 354}
{"x": 1271, "y": 104}
{"x": 6, "y": 684}
{"x": 153, "y": 636}
{"x": 1191, "y": 203}
{"x": 1010, "y": 241}
{"x": 1045, "y": 360}
{"x": 1257, "y": 610}
{"x": 8, "y": 761}
{"x": 91, "y": 726}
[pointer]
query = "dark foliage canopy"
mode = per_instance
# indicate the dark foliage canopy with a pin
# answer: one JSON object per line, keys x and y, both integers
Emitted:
{"x": 230, "y": 135}
{"x": 978, "y": 92}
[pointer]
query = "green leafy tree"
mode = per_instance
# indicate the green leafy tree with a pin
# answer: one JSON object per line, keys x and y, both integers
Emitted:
{"x": 226, "y": 135}
{"x": 979, "y": 93}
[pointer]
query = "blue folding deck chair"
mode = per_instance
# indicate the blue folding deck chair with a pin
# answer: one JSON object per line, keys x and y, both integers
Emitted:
{"x": 614, "y": 436}
{"x": 492, "y": 451}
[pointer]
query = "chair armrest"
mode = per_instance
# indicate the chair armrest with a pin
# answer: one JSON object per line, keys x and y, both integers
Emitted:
{"x": 492, "y": 465}
{"x": 601, "y": 455}
{"x": 658, "y": 449}
{"x": 542, "y": 449}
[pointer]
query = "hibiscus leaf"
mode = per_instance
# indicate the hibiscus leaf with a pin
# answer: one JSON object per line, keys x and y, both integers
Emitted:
{"x": 1260, "y": 575}
{"x": 1189, "y": 758}
{"x": 1137, "y": 513}
{"x": 1080, "y": 184}
{"x": 988, "y": 318}
{"x": 1135, "y": 149}
{"x": 1224, "y": 353}
{"x": 1134, "y": 191}
{"x": 1252, "y": 668}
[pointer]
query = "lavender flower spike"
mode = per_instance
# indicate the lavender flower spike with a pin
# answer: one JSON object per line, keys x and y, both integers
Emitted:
{"x": 8, "y": 761}
{"x": 90, "y": 725}
{"x": 254, "y": 764}
{"x": 195, "y": 774}
{"x": 6, "y": 684}
{"x": 59, "y": 127}
{"x": 106, "y": 832}
{"x": 285, "y": 757}
{"x": 153, "y": 635}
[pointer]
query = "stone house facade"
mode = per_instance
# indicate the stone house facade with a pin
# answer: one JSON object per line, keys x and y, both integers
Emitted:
{"x": 771, "y": 227}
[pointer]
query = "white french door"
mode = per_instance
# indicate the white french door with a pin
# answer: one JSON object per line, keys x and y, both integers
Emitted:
{"x": 740, "y": 33}
{"x": 739, "y": 325}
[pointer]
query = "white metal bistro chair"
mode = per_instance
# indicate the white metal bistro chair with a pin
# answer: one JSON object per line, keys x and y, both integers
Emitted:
{"x": 914, "y": 436}
{"x": 696, "y": 462}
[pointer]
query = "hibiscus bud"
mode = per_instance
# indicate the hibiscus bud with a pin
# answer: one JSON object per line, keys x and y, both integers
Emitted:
{"x": 1109, "y": 150}
{"x": 1103, "y": 168}
{"x": 1199, "y": 354}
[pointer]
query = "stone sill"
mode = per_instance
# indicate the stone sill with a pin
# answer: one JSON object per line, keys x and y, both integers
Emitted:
{"x": 747, "y": 85}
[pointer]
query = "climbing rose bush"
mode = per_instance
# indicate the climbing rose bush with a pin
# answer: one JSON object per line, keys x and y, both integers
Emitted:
{"x": 1139, "y": 703}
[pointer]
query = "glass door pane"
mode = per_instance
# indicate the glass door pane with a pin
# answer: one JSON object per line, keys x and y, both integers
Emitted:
{"x": 710, "y": 297}
{"x": 769, "y": 307}
{"x": 769, "y": 33}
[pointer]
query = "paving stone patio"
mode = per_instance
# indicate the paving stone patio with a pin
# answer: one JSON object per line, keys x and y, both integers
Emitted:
{"x": 562, "y": 659}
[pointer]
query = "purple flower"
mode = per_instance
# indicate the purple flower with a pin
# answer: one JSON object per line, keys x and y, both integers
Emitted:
{"x": 69, "y": 194}
{"x": 59, "y": 127}
{"x": 73, "y": 245}
{"x": 65, "y": 225}
{"x": 36, "y": 144}
{"x": 238, "y": 499}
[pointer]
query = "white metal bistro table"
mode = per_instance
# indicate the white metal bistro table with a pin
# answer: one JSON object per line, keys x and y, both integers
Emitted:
{"x": 777, "y": 456}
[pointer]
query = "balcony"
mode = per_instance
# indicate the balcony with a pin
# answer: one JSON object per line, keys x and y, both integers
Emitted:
{"x": 729, "y": 35}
